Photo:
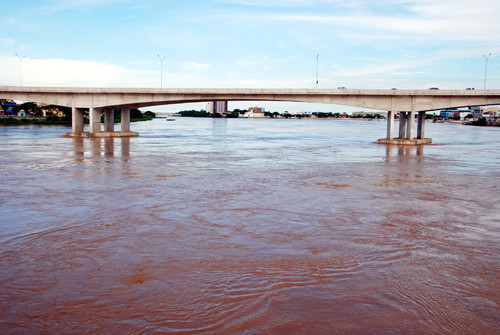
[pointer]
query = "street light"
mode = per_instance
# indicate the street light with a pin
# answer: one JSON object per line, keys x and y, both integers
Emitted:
{"x": 486, "y": 68}
{"x": 161, "y": 70}
{"x": 20, "y": 70}
{"x": 317, "y": 61}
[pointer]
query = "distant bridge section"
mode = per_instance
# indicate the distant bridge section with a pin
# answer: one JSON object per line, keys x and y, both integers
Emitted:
{"x": 405, "y": 102}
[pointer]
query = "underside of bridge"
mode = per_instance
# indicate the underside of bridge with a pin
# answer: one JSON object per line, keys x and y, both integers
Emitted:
{"x": 406, "y": 126}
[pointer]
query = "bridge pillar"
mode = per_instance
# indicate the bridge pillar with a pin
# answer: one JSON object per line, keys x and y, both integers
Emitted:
{"x": 420, "y": 125}
{"x": 402, "y": 124}
{"x": 390, "y": 125}
{"x": 109, "y": 119}
{"x": 410, "y": 122}
{"x": 125, "y": 115}
{"x": 77, "y": 120}
{"x": 406, "y": 129}
{"x": 94, "y": 121}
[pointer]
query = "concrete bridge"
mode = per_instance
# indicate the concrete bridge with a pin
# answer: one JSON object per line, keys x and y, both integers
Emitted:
{"x": 408, "y": 103}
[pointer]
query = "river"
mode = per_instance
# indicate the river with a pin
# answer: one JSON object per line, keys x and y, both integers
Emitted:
{"x": 233, "y": 226}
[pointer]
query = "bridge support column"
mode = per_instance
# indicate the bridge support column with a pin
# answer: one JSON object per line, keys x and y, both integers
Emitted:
{"x": 410, "y": 122}
{"x": 420, "y": 125}
{"x": 402, "y": 125}
{"x": 77, "y": 120}
{"x": 125, "y": 115}
{"x": 406, "y": 129}
{"x": 94, "y": 121}
{"x": 109, "y": 120}
{"x": 390, "y": 125}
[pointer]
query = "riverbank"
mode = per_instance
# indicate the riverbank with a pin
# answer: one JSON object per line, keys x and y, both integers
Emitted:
{"x": 53, "y": 121}
{"x": 12, "y": 121}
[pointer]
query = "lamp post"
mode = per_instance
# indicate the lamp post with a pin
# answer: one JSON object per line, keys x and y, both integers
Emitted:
{"x": 317, "y": 62}
{"x": 485, "y": 68}
{"x": 161, "y": 70}
{"x": 20, "y": 70}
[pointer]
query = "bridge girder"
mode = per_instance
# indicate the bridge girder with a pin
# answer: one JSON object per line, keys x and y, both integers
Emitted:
{"x": 395, "y": 100}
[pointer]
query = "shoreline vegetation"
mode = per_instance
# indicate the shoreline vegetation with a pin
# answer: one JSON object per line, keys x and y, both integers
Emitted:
{"x": 482, "y": 122}
{"x": 238, "y": 113}
{"x": 52, "y": 121}
{"x": 33, "y": 114}
{"x": 30, "y": 113}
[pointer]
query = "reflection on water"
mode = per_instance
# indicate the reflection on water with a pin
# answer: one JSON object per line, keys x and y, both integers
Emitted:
{"x": 403, "y": 151}
{"x": 96, "y": 148}
{"x": 249, "y": 226}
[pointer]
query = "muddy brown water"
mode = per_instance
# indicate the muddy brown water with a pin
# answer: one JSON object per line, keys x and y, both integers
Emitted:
{"x": 204, "y": 226}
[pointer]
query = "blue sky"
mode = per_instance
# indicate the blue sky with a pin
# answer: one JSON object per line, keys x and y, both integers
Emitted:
{"x": 251, "y": 43}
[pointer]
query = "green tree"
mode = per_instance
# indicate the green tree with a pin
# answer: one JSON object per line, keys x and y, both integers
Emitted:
{"x": 136, "y": 114}
{"x": 149, "y": 114}
{"x": 233, "y": 114}
{"x": 28, "y": 107}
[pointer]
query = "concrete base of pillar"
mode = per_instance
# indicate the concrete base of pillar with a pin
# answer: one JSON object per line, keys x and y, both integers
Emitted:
{"x": 403, "y": 141}
{"x": 102, "y": 134}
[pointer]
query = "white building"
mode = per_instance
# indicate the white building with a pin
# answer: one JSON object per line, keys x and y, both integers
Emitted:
{"x": 255, "y": 112}
{"x": 210, "y": 107}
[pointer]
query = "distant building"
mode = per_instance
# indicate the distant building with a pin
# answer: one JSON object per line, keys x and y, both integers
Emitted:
{"x": 49, "y": 110}
{"x": 255, "y": 112}
{"x": 220, "y": 107}
{"x": 492, "y": 112}
{"x": 6, "y": 107}
{"x": 454, "y": 113}
{"x": 217, "y": 107}
{"x": 210, "y": 107}
{"x": 476, "y": 111}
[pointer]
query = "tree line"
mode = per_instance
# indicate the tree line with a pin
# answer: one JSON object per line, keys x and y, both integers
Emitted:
{"x": 239, "y": 112}
{"x": 34, "y": 114}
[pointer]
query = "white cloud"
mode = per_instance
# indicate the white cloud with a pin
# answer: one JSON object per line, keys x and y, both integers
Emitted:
{"x": 64, "y": 4}
{"x": 385, "y": 68}
{"x": 10, "y": 21}
{"x": 244, "y": 63}
{"x": 194, "y": 66}
{"x": 444, "y": 28}
{"x": 401, "y": 21}
{"x": 7, "y": 41}
{"x": 63, "y": 72}
{"x": 294, "y": 3}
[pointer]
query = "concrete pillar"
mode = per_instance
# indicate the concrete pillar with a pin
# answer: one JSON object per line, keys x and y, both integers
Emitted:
{"x": 94, "y": 120}
{"x": 77, "y": 120}
{"x": 125, "y": 114}
{"x": 402, "y": 124}
{"x": 390, "y": 125}
{"x": 410, "y": 129}
{"x": 109, "y": 122}
{"x": 421, "y": 125}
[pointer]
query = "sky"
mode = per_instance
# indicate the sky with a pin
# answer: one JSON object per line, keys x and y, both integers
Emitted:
{"x": 404, "y": 44}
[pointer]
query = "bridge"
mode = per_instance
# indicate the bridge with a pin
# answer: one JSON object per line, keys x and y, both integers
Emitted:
{"x": 408, "y": 103}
